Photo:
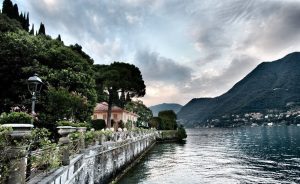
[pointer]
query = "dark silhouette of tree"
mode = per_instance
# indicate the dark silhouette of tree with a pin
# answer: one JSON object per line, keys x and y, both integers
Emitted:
{"x": 32, "y": 30}
{"x": 12, "y": 11}
{"x": 42, "y": 29}
{"x": 15, "y": 12}
{"x": 27, "y": 22}
{"x": 8, "y": 8}
{"x": 58, "y": 38}
{"x": 128, "y": 99}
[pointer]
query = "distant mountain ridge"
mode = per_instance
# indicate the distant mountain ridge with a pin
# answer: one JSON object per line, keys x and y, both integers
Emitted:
{"x": 271, "y": 85}
{"x": 165, "y": 106}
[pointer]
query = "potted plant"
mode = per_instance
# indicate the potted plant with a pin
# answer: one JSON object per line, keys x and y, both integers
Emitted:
{"x": 20, "y": 122}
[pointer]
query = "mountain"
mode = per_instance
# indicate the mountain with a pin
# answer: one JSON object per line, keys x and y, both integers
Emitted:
{"x": 271, "y": 85}
{"x": 165, "y": 106}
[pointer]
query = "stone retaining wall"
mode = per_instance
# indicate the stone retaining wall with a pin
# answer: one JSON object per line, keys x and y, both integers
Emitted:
{"x": 101, "y": 163}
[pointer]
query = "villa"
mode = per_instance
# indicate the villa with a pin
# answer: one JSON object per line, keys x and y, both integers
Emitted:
{"x": 117, "y": 114}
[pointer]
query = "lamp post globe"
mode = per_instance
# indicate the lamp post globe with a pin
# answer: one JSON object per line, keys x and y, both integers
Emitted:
{"x": 34, "y": 84}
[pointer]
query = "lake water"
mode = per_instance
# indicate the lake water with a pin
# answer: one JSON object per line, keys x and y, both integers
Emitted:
{"x": 237, "y": 155}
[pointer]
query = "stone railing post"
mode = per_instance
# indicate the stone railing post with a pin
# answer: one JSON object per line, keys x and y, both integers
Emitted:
{"x": 64, "y": 141}
{"x": 81, "y": 130}
{"x": 17, "y": 154}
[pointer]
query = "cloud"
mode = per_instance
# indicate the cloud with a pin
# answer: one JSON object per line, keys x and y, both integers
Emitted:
{"x": 213, "y": 83}
{"x": 220, "y": 41}
{"x": 158, "y": 68}
{"x": 278, "y": 32}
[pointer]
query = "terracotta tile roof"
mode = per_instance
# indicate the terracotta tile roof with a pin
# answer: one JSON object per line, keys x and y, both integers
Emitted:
{"x": 103, "y": 106}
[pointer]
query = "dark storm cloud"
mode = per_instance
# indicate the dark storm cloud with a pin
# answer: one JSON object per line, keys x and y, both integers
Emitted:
{"x": 157, "y": 68}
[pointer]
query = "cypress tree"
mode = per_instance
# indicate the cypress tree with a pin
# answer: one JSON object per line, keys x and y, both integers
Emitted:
{"x": 8, "y": 8}
{"x": 58, "y": 38}
{"x": 15, "y": 12}
{"x": 122, "y": 99}
{"x": 20, "y": 19}
{"x": 128, "y": 99}
{"x": 27, "y": 22}
{"x": 42, "y": 29}
{"x": 32, "y": 30}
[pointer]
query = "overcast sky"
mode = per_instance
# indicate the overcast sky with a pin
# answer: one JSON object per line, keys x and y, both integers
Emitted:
{"x": 184, "y": 48}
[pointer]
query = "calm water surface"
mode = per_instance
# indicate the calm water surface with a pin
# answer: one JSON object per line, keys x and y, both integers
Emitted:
{"x": 240, "y": 155}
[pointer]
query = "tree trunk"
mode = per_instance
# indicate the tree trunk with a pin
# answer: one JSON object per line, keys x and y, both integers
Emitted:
{"x": 110, "y": 101}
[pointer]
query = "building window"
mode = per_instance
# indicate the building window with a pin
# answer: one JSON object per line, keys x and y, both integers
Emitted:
{"x": 95, "y": 116}
{"x": 115, "y": 116}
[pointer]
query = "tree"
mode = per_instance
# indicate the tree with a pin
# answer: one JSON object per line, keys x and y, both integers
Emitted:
{"x": 119, "y": 77}
{"x": 22, "y": 55}
{"x": 26, "y": 24}
{"x": 58, "y": 38}
{"x": 8, "y": 8}
{"x": 144, "y": 113}
{"x": 15, "y": 12}
{"x": 155, "y": 122}
{"x": 42, "y": 30}
{"x": 32, "y": 30}
{"x": 7, "y": 24}
{"x": 168, "y": 118}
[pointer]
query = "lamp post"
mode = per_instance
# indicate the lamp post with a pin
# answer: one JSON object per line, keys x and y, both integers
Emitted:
{"x": 34, "y": 84}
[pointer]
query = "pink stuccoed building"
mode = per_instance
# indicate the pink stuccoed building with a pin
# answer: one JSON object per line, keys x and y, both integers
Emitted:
{"x": 117, "y": 114}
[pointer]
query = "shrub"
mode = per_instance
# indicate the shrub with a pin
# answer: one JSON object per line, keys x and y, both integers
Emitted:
{"x": 98, "y": 124}
{"x": 155, "y": 122}
{"x": 73, "y": 124}
{"x": 16, "y": 118}
{"x": 181, "y": 133}
{"x": 90, "y": 137}
{"x": 128, "y": 125}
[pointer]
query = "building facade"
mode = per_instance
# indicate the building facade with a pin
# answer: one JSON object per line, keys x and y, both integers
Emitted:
{"x": 117, "y": 114}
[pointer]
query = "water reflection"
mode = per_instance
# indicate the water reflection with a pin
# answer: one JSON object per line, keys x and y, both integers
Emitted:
{"x": 241, "y": 155}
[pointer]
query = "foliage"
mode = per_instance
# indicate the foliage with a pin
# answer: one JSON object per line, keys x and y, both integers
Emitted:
{"x": 98, "y": 124}
{"x": 40, "y": 137}
{"x": 16, "y": 118}
{"x": 4, "y": 146}
{"x": 4, "y": 137}
{"x": 46, "y": 154}
{"x": 57, "y": 65}
{"x": 48, "y": 157}
{"x": 181, "y": 133}
{"x": 42, "y": 30}
{"x": 143, "y": 112}
{"x": 73, "y": 124}
{"x": 129, "y": 125}
{"x": 155, "y": 122}
{"x": 7, "y": 24}
{"x": 117, "y": 77}
{"x": 168, "y": 119}
{"x": 89, "y": 137}
{"x": 12, "y": 11}
{"x": 72, "y": 105}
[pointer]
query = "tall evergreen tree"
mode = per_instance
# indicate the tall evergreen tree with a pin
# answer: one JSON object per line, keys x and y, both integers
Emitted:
{"x": 32, "y": 30}
{"x": 42, "y": 29}
{"x": 128, "y": 99}
{"x": 8, "y": 8}
{"x": 26, "y": 23}
{"x": 122, "y": 99}
{"x": 15, "y": 12}
{"x": 58, "y": 38}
